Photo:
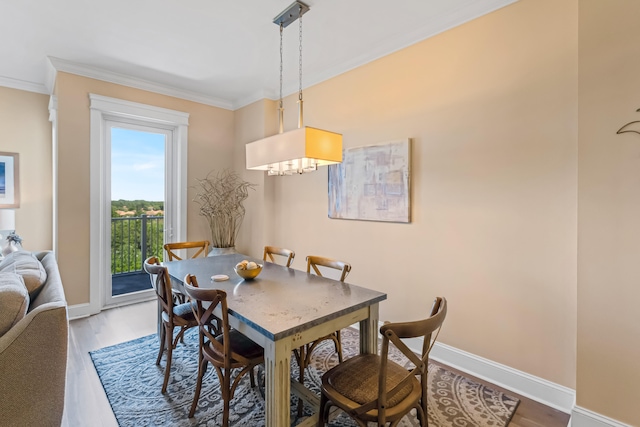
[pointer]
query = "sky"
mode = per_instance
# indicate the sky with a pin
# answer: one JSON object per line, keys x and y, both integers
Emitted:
{"x": 137, "y": 165}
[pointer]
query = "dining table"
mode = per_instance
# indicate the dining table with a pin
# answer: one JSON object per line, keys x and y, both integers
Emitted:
{"x": 281, "y": 310}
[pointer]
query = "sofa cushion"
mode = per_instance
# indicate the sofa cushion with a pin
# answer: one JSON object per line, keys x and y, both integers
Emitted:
{"x": 29, "y": 267}
{"x": 14, "y": 300}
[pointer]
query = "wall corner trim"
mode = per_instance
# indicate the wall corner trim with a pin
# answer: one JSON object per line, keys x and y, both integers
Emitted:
{"x": 581, "y": 417}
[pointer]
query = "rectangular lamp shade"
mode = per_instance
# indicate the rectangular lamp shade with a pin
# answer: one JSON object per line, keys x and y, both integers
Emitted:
{"x": 322, "y": 146}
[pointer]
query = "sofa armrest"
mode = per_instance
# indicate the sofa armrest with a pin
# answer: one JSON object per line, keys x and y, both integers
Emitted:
{"x": 33, "y": 360}
{"x": 33, "y": 367}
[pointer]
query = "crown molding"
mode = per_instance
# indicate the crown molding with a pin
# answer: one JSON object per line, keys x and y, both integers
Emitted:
{"x": 62, "y": 65}
{"x": 470, "y": 11}
{"x": 256, "y": 96}
{"x": 50, "y": 76}
{"x": 23, "y": 85}
{"x": 432, "y": 27}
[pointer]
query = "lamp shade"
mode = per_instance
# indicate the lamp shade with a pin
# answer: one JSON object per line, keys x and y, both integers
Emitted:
{"x": 7, "y": 219}
{"x": 319, "y": 147}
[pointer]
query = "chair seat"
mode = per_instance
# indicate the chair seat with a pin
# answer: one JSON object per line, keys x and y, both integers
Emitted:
{"x": 181, "y": 310}
{"x": 240, "y": 344}
{"x": 357, "y": 379}
{"x": 353, "y": 385}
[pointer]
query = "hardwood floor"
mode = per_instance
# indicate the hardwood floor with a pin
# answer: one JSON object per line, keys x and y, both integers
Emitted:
{"x": 86, "y": 403}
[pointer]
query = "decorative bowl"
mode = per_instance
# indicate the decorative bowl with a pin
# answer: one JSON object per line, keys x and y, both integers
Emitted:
{"x": 249, "y": 274}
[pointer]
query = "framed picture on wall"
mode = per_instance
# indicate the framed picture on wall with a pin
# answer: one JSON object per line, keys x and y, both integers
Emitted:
{"x": 372, "y": 183}
{"x": 9, "y": 181}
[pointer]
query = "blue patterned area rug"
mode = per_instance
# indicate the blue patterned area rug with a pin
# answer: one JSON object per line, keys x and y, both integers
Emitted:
{"x": 132, "y": 382}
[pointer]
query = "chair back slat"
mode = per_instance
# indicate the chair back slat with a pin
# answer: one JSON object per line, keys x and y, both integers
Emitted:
{"x": 146, "y": 265}
{"x": 161, "y": 283}
{"x": 204, "y": 315}
{"x": 201, "y": 246}
{"x": 314, "y": 261}
{"x": 400, "y": 345}
{"x": 422, "y": 328}
{"x": 270, "y": 251}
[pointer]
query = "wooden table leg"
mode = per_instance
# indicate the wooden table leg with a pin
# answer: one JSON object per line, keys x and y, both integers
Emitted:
{"x": 277, "y": 364}
{"x": 369, "y": 332}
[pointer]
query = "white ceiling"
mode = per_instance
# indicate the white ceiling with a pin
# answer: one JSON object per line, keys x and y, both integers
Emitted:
{"x": 219, "y": 52}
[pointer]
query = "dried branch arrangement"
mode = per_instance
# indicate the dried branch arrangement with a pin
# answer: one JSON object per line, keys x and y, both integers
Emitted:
{"x": 220, "y": 196}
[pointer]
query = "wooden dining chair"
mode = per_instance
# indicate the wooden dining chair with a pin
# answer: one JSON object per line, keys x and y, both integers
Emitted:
{"x": 172, "y": 315}
{"x": 270, "y": 251}
{"x": 303, "y": 354}
{"x": 201, "y": 246}
{"x": 313, "y": 262}
{"x": 372, "y": 388}
{"x": 227, "y": 352}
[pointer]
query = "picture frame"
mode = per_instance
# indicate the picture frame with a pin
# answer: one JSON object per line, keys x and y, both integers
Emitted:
{"x": 373, "y": 183}
{"x": 9, "y": 180}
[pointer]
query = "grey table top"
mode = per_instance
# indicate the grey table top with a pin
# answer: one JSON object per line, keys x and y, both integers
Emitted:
{"x": 281, "y": 301}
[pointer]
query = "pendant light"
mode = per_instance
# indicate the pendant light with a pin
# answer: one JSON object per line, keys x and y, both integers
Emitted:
{"x": 302, "y": 149}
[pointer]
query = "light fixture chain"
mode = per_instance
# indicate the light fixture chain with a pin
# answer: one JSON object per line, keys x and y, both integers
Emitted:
{"x": 281, "y": 27}
{"x": 300, "y": 56}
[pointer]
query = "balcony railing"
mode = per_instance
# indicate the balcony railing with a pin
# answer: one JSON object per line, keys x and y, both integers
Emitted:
{"x": 133, "y": 239}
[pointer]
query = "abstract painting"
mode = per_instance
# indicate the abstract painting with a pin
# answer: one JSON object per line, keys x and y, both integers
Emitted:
{"x": 9, "y": 181}
{"x": 372, "y": 183}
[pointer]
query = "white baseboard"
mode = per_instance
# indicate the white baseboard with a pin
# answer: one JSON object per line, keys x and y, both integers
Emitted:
{"x": 78, "y": 311}
{"x": 535, "y": 388}
{"x": 581, "y": 417}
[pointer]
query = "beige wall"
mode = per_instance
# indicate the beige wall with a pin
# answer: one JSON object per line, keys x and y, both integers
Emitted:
{"x": 254, "y": 122}
{"x": 608, "y": 359}
{"x": 26, "y": 130}
{"x": 210, "y": 146}
{"x": 491, "y": 107}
